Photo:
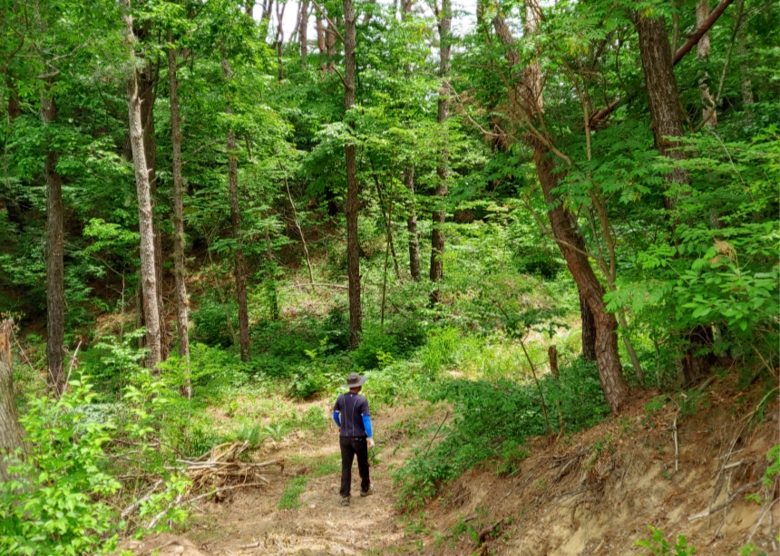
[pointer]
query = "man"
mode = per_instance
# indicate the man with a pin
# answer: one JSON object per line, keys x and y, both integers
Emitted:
{"x": 355, "y": 435}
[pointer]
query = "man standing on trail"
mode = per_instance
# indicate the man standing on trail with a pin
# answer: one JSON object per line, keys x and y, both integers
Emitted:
{"x": 355, "y": 435}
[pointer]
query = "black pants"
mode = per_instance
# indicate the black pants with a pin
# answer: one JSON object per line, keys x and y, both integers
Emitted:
{"x": 350, "y": 447}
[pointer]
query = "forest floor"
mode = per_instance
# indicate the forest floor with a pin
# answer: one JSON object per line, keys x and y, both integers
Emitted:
{"x": 595, "y": 492}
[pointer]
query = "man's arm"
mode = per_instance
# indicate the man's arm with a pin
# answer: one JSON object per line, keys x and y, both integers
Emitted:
{"x": 367, "y": 424}
{"x": 337, "y": 413}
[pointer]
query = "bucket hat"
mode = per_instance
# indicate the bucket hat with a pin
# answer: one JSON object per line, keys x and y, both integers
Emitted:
{"x": 354, "y": 380}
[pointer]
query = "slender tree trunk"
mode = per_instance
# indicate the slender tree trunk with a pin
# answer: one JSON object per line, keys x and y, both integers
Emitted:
{"x": 667, "y": 121}
{"x": 320, "y": 27}
{"x": 709, "y": 110}
{"x": 179, "y": 190}
{"x": 145, "y": 216}
{"x": 411, "y": 220}
{"x": 411, "y": 226}
{"x": 353, "y": 188}
{"x": 239, "y": 269}
{"x": 588, "y": 331}
{"x": 147, "y": 77}
{"x": 303, "y": 30}
{"x": 279, "y": 42}
{"x": 14, "y": 105}
{"x": 10, "y": 431}
{"x": 55, "y": 265}
{"x": 442, "y": 169}
{"x": 330, "y": 44}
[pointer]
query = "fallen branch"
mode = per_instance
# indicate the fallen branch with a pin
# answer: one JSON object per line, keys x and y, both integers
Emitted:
{"x": 135, "y": 505}
{"x": 712, "y": 511}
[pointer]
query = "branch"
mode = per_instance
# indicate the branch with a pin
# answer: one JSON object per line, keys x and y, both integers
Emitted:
{"x": 598, "y": 118}
{"x": 701, "y": 31}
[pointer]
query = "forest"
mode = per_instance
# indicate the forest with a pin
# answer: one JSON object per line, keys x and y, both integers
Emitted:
{"x": 544, "y": 231}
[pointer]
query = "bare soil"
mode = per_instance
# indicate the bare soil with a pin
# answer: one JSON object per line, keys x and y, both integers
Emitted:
{"x": 595, "y": 492}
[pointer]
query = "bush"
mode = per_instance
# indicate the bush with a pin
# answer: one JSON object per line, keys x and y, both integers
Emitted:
{"x": 493, "y": 419}
{"x": 211, "y": 323}
{"x": 56, "y": 501}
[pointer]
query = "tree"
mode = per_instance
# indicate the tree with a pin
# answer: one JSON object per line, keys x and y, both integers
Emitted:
{"x": 145, "y": 214}
{"x": 239, "y": 265}
{"x": 528, "y": 95}
{"x": 55, "y": 265}
{"x": 10, "y": 431}
{"x": 444, "y": 16}
{"x": 179, "y": 190}
{"x": 352, "y": 205}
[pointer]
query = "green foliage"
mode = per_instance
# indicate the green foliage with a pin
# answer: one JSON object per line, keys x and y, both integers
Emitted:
{"x": 493, "y": 419}
{"x": 773, "y": 469}
{"x": 56, "y": 500}
{"x": 657, "y": 545}
{"x": 214, "y": 322}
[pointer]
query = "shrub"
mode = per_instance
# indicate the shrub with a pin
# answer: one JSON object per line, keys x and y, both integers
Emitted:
{"x": 56, "y": 501}
{"x": 211, "y": 323}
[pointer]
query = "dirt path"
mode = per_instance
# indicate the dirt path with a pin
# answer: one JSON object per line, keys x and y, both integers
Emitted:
{"x": 251, "y": 521}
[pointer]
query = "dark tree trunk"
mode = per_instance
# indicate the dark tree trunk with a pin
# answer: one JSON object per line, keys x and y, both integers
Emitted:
{"x": 572, "y": 247}
{"x": 330, "y": 44}
{"x": 55, "y": 265}
{"x": 411, "y": 221}
{"x": 303, "y": 30}
{"x": 588, "y": 331}
{"x": 239, "y": 268}
{"x": 145, "y": 215}
{"x": 665, "y": 111}
{"x": 179, "y": 190}
{"x": 353, "y": 189}
{"x": 10, "y": 431}
{"x": 667, "y": 121}
{"x": 442, "y": 169}
{"x": 411, "y": 226}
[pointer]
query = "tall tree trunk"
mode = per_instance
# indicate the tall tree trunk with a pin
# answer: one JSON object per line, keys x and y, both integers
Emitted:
{"x": 14, "y": 105}
{"x": 330, "y": 44}
{"x": 442, "y": 169}
{"x": 320, "y": 27}
{"x": 588, "y": 331}
{"x": 55, "y": 265}
{"x": 279, "y": 42}
{"x": 145, "y": 215}
{"x": 411, "y": 220}
{"x": 147, "y": 77}
{"x": 709, "y": 110}
{"x": 303, "y": 30}
{"x": 10, "y": 431}
{"x": 411, "y": 226}
{"x": 239, "y": 269}
{"x": 179, "y": 189}
{"x": 573, "y": 248}
{"x": 353, "y": 188}
{"x": 667, "y": 121}
{"x": 665, "y": 111}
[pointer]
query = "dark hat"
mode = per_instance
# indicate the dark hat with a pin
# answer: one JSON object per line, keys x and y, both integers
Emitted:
{"x": 354, "y": 380}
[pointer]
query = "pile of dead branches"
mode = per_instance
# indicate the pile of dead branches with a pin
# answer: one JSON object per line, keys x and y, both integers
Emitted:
{"x": 222, "y": 466}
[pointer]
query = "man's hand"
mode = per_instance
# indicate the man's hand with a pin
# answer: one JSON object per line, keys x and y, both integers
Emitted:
{"x": 370, "y": 442}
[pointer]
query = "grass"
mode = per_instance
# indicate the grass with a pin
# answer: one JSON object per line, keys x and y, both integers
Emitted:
{"x": 291, "y": 497}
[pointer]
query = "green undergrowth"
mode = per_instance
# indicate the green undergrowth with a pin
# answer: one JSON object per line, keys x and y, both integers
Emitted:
{"x": 492, "y": 419}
